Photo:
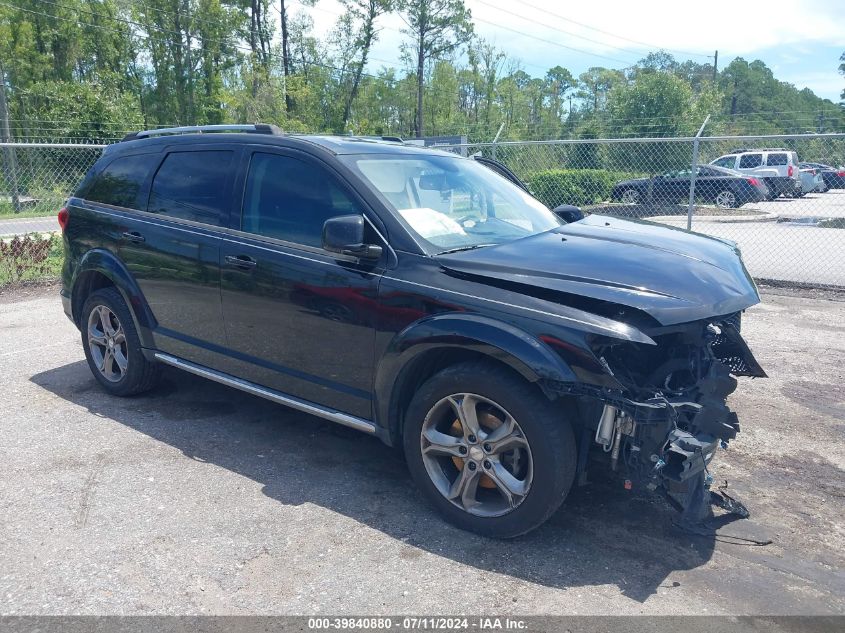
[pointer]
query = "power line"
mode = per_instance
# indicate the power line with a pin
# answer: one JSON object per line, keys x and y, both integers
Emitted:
{"x": 527, "y": 19}
{"x": 552, "y": 42}
{"x": 598, "y": 30}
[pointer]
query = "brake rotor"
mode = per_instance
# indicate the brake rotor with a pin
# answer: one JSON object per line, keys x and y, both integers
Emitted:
{"x": 489, "y": 423}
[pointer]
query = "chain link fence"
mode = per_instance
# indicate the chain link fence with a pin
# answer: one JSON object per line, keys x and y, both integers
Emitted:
{"x": 785, "y": 211}
{"x": 35, "y": 181}
{"x": 780, "y": 198}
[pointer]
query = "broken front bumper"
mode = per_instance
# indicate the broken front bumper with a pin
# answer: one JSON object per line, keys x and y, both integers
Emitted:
{"x": 664, "y": 428}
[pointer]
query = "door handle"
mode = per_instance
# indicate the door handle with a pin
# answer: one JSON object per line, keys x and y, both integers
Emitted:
{"x": 134, "y": 236}
{"x": 241, "y": 261}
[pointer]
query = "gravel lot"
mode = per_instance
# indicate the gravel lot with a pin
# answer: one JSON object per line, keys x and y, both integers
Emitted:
{"x": 200, "y": 499}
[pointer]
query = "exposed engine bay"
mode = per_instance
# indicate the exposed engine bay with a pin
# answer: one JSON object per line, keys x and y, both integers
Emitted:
{"x": 663, "y": 429}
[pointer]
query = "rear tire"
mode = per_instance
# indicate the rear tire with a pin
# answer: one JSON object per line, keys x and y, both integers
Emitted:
{"x": 503, "y": 480}
{"x": 112, "y": 346}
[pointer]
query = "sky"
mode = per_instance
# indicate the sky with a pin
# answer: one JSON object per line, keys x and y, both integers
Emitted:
{"x": 800, "y": 40}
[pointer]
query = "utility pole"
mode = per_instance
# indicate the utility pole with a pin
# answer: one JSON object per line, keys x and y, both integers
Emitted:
{"x": 715, "y": 65}
{"x": 10, "y": 170}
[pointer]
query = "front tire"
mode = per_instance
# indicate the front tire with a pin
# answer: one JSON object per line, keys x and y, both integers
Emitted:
{"x": 112, "y": 346}
{"x": 489, "y": 450}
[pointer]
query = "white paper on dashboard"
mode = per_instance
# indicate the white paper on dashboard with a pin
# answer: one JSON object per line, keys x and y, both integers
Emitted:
{"x": 430, "y": 223}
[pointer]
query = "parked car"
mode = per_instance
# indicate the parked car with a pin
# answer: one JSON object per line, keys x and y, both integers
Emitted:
{"x": 811, "y": 181}
{"x": 725, "y": 188}
{"x": 777, "y": 167}
{"x": 416, "y": 296}
{"x": 834, "y": 178}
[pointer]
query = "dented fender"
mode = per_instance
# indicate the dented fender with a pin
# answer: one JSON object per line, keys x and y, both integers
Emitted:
{"x": 531, "y": 357}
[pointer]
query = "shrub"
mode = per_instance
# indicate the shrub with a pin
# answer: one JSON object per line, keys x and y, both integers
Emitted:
{"x": 31, "y": 257}
{"x": 573, "y": 186}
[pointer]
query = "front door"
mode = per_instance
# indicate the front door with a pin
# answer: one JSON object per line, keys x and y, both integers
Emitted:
{"x": 298, "y": 319}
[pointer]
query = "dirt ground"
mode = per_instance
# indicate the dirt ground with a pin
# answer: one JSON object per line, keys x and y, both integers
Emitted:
{"x": 200, "y": 499}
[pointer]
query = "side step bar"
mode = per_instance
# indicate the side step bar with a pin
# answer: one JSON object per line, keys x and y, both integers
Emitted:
{"x": 257, "y": 390}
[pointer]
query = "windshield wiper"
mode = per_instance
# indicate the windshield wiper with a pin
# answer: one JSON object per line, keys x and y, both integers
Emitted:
{"x": 471, "y": 247}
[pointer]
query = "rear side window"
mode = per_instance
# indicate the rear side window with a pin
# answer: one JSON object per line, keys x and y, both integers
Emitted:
{"x": 192, "y": 186}
{"x": 747, "y": 161}
{"x": 121, "y": 183}
{"x": 290, "y": 199}
{"x": 775, "y": 160}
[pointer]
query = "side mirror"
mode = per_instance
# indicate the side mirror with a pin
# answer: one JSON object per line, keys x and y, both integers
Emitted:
{"x": 568, "y": 213}
{"x": 345, "y": 235}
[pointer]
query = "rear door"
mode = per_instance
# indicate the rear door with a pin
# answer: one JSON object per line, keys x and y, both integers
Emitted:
{"x": 750, "y": 162}
{"x": 168, "y": 240}
{"x": 298, "y": 319}
{"x": 778, "y": 161}
{"x": 173, "y": 250}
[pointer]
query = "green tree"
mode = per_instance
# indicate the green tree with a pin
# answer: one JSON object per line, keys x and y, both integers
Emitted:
{"x": 365, "y": 13}
{"x": 595, "y": 84}
{"x": 842, "y": 72}
{"x": 437, "y": 28}
{"x": 654, "y": 104}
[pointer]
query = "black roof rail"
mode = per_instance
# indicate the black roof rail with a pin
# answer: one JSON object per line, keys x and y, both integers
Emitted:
{"x": 251, "y": 128}
{"x": 378, "y": 139}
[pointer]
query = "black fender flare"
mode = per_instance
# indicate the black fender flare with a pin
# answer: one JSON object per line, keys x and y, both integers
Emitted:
{"x": 518, "y": 349}
{"x": 105, "y": 263}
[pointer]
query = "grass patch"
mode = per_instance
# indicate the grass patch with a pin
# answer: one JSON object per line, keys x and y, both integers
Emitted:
{"x": 39, "y": 205}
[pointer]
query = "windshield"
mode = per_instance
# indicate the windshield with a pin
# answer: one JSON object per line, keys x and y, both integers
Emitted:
{"x": 450, "y": 203}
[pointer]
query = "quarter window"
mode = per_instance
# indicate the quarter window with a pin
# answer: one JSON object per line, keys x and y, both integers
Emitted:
{"x": 290, "y": 199}
{"x": 121, "y": 183}
{"x": 747, "y": 161}
{"x": 192, "y": 186}
{"x": 777, "y": 159}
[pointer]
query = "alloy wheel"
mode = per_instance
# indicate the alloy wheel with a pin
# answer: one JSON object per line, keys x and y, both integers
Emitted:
{"x": 726, "y": 200}
{"x": 631, "y": 196}
{"x": 107, "y": 343}
{"x": 476, "y": 455}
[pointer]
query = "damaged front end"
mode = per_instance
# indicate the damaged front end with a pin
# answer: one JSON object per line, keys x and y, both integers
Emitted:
{"x": 663, "y": 428}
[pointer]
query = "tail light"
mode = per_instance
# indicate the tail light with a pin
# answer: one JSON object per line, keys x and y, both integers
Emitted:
{"x": 841, "y": 174}
{"x": 64, "y": 216}
{"x": 789, "y": 171}
{"x": 753, "y": 182}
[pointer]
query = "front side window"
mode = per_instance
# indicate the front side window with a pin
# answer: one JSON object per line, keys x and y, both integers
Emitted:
{"x": 192, "y": 186}
{"x": 121, "y": 182}
{"x": 725, "y": 161}
{"x": 453, "y": 203}
{"x": 747, "y": 161}
{"x": 290, "y": 199}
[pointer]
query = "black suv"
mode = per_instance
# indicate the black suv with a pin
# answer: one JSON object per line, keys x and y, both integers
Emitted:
{"x": 418, "y": 296}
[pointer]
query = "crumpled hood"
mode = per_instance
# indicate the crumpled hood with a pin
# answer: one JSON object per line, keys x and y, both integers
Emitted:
{"x": 672, "y": 275}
